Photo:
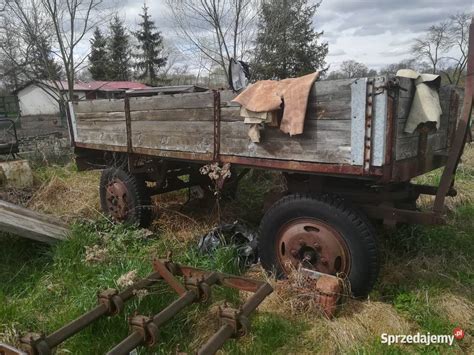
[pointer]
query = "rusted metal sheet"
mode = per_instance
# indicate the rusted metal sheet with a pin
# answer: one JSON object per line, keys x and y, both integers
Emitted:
{"x": 186, "y": 156}
{"x": 391, "y": 215}
{"x": 295, "y": 166}
{"x": 217, "y": 125}
{"x": 128, "y": 124}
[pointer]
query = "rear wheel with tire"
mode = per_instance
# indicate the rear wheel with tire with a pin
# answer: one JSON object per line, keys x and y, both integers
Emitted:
{"x": 321, "y": 233}
{"x": 123, "y": 197}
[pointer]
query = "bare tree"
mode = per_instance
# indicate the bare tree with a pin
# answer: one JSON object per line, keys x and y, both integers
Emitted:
{"x": 72, "y": 20}
{"x": 351, "y": 69}
{"x": 458, "y": 40}
{"x": 66, "y": 23}
{"x": 433, "y": 45}
{"x": 26, "y": 45}
{"x": 219, "y": 29}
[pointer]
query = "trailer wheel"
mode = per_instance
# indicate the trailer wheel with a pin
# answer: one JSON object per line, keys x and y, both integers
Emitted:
{"x": 123, "y": 197}
{"x": 321, "y": 233}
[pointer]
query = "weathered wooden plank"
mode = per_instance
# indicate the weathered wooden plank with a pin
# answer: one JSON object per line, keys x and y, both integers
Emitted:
{"x": 173, "y": 128}
{"x": 95, "y": 135}
{"x": 106, "y": 126}
{"x": 407, "y": 147}
{"x": 102, "y": 116}
{"x": 99, "y": 106}
{"x": 330, "y": 146}
{"x": 194, "y": 136}
{"x": 28, "y": 224}
{"x": 169, "y": 102}
{"x": 196, "y": 114}
{"x": 167, "y": 142}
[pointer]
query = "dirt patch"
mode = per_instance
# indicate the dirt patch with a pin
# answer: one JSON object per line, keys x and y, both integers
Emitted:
{"x": 19, "y": 197}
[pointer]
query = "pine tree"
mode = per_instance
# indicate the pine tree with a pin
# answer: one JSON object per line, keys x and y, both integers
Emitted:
{"x": 150, "y": 47}
{"x": 98, "y": 58}
{"x": 287, "y": 44}
{"x": 42, "y": 64}
{"x": 119, "y": 51}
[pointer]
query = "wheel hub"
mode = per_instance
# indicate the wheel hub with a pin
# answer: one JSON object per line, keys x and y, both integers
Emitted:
{"x": 117, "y": 203}
{"x": 312, "y": 244}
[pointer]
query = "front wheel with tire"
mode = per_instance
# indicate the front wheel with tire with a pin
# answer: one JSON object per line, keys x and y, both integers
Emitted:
{"x": 321, "y": 233}
{"x": 123, "y": 197}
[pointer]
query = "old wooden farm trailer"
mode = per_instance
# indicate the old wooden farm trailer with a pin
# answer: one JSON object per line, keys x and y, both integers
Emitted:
{"x": 353, "y": 161}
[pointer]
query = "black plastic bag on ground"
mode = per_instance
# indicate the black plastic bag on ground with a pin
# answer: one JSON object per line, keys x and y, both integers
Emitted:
{"x": 236, "y": 235}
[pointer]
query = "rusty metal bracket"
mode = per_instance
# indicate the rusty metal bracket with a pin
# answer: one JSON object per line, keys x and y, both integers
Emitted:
{"x": 234, "y": 317}
{"x": 217, "y": 125}
{"x": 368, "y": 126}
{"x": 111, "y": 299}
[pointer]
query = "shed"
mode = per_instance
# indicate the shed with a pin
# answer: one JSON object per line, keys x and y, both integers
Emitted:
{"x": 41, "y": 98}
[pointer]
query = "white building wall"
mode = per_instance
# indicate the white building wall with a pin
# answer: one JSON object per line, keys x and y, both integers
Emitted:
{"x": 35, "y": 101}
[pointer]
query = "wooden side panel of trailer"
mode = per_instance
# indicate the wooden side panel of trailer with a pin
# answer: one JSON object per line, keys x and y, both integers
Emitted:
{"x": 185, "y": 123}
{"x": 183, "y": 126}
{"x": 407, "y": 144}
{"x": 100, "y": 122}
{"x": 326, "y": 137}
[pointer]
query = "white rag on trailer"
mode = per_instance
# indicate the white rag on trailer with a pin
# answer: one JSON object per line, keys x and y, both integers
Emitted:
{"x": 426, "y": 105}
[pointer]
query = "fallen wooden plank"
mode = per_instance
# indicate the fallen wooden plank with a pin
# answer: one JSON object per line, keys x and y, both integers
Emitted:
{"x": 29, "y": 224}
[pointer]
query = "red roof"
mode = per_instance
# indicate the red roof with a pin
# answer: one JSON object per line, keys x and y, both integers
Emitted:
{"x": 102, "y": 85}
{"x": 113, "y": 85}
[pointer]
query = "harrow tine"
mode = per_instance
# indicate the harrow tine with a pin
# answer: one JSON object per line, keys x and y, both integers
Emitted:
{"x": 111, "y": 303}
{"x": 196, "y": 287}
{"x": 146, "y": 330}
{"x": 235, "y": 323}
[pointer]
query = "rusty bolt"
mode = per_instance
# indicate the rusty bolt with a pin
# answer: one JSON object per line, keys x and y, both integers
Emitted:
{"x": 324, "y": 261}
{"x": 317, "y": 246}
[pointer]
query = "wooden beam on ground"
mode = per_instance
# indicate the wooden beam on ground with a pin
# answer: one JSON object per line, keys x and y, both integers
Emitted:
{"x": 29, "y": 224}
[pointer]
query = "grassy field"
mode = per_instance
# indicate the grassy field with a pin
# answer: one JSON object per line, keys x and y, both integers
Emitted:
{"x": 426, "y": 283}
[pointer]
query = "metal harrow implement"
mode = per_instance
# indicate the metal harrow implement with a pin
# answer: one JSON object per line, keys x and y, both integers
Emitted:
{"x": 195, "y": 287}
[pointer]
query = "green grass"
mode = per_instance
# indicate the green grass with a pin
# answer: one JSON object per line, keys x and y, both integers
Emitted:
{"x": 43, "y": 288}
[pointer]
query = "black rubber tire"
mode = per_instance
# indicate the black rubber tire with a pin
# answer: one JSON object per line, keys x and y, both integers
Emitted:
{"x": 140, "y": 210}
{"x": 354, "y": 228}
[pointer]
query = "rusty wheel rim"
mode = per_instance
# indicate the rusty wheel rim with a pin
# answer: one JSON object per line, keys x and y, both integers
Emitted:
{"x": 313, "y": 244}
{"x": 116, "y": 195}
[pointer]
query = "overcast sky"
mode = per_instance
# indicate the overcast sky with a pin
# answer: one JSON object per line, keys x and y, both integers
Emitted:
{"x": 375, "y": 32}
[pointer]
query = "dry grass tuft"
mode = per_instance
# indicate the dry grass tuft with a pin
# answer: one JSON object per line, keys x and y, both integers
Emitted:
{"x": 10, "y": 335}
{"x": 464, "y": 186}
{"x": 127, "y": 279}
{"x": 95, "y": 254}
{"x": 69, "y": 198}
{"x": 296, "y": 295}
{"x": 205, "y": 325}
{"x": 357, "y": 325}
{"x": 182, "y": 224}
{"x": 458, "y": 310}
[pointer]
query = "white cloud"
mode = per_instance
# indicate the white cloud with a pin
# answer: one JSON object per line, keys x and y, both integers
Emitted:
{"x": 379, "y": 32}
